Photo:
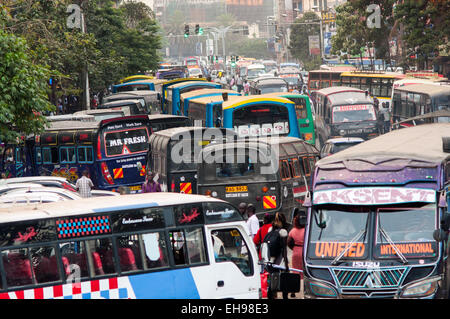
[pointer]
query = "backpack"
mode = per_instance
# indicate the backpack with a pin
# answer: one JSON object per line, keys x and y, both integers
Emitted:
{"x": 273, "y": 242}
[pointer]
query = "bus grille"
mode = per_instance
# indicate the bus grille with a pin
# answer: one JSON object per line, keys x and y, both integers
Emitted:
{"x": 369, "y": 278}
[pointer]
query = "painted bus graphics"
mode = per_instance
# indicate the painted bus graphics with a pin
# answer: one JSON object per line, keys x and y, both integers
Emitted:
{"x": 186, "y": 97}
{"x": 173, "y": 99}
{"x": 252, "y": 116}
{"x": 16, "y": 159}
{"x": 376, "y": 218}
{"x": 146, "y": 246}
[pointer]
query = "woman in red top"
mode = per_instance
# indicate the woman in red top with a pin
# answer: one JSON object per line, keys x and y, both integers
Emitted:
{"x": 295, "y": 242}
{"x": 262, "y": 232}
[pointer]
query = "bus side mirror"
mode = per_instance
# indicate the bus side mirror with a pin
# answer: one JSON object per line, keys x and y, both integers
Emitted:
{"x": 307, "y": 202}
{"x": 440, "y": 235}
{"x": 139, "y": 165}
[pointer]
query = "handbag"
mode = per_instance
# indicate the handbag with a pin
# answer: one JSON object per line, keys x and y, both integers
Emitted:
{"x": 283, "y": 280}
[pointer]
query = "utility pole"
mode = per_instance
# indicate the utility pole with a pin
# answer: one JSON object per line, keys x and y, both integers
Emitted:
{"x": 86, "y": 94}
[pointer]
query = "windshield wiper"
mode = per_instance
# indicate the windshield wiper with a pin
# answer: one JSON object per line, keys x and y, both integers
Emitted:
{"x": 349, "y": 245}
{"x": 397, "y": 251}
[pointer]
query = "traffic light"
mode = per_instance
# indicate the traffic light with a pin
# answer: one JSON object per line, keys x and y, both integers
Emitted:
{"x": 200, "y": 31}
{"x": 233, "y": 61}
{"x": 186, "y": 30}
{"x": 197, "y": 29}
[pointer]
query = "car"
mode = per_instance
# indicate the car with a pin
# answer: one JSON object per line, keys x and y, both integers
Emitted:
{"x": 195, "y": 72}
{"x": 96, "y": 193}
{"x": 334, "y": 145}
{"x": 15, "y": 199}
{"x": 51, "y": 181}
{"x": 69, "y": 195}
{"x": 13, "y": 186}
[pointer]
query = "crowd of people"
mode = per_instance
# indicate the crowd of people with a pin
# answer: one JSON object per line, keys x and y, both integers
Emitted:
{"x": 275, "y": 228}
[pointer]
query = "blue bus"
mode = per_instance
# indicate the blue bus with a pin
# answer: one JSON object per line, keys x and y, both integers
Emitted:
{"x": 110, "y": 149}
{"x": 206, "y": 111}
{"x": 139, "y": 85}
{"x": 252, "y": 116}
{"x": 146, "y": 246}
{"x": 174, "y": 92}
{"x": 166, "y": 85}
{"x": 186, "y": 97}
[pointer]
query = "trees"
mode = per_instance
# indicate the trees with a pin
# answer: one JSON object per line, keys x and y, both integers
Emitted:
{"x": 363, "y": 24}
{"x": 426, "y": 26}
{"x": 299, "y": 41}
{"x": 23, "y": 86}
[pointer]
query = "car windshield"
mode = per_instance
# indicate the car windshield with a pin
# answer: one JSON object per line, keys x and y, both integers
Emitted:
{"x": 353, "y": 113}
{"x": 342, "y": 146}
{"x": 272, "y": 89}
{"x": 255, "y": 72}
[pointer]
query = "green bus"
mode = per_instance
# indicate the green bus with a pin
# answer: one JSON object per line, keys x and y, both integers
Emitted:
{"x": 303, "y": 112}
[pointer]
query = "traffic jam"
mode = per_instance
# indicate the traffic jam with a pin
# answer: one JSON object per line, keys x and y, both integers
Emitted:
{"x": 353, "y": 211}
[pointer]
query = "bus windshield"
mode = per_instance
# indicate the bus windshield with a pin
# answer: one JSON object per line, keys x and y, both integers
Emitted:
{"x": 124, "y": 142}
{"x": 336, "y": 225}
{"x": 260, "y": 120}
{"x": 253, "y": 73}
{"x": 407, "y": 224}
{"x": 273, "y": 88}
{"x": 353, "y": 113}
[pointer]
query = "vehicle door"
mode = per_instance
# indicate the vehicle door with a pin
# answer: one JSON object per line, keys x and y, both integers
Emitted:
{"x": 233, "y": 259}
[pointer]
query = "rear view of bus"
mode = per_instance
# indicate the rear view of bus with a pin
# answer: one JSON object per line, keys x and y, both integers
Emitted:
{"x": 378, "y": 213}
{"x": 121, "y": 144}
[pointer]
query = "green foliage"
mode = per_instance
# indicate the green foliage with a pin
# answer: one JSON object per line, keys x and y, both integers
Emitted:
{"x": 299, "y": 41}
{"x": 353, "y": 33}
{"x": 22, "y": 90}
{"x": 426, "y": 26}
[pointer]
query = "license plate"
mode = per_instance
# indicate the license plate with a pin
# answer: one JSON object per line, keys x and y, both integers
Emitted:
{"x": 135, "y": 188}
{"x": 235, "y": 189}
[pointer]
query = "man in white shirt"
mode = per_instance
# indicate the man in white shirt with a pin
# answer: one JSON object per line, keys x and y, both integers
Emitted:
{"x": 252, "y": 221}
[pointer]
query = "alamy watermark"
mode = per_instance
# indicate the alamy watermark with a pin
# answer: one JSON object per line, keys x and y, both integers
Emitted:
{"x": 374, "y": 19}
{"x": 74, "y": 19}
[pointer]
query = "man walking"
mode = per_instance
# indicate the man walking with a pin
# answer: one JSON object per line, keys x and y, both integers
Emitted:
{"x": 84, "y": 185}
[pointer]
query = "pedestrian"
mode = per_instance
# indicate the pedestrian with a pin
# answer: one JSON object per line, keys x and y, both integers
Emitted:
{"x": 150, "y": 186}
{"x": 252, "y": 221}
{"x": 239, "y": 84}
{"x": 84, "y": 185}
{"x": 276, "y": 241}
{"x": 295, "y": 241}
{"x": 60, "y": 108}
{"x": 262, "y": 232}
{"x": 246, "y": 88}
{"x": 242, "y": 208}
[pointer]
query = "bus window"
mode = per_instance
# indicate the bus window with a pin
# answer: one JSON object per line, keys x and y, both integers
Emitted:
{"x": 195, "y": 246}
{"x": 155, "y": 250}
{"x": 217, "y": 115}
{"x": 235, "y": 169}
{"x": 38, "y": 155}
{"x": 300, "y": 108}
{"x": 229, "y": 246}
{"x": 9, "y": 155}
{"x": 67, "y": 155}
{"x": 75, "y": 253}
{"x": 126, "y": 142}
{"x": 20, "y": 156}
{"x": 17, "y": 265}
{"x": 355, "y": 82}
{"x": 365, "y": 84}
{"x": 85, "y": 154}
{"x": 50, "y": 155}
{"x": 261, "y": 116}
{"x": 306, "y": 166}
{"x": 177, "y": 243}
{"x": 285, "y": 171}
{"x": 296, "y": 169}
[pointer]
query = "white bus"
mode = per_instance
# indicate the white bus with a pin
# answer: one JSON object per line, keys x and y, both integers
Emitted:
{"x": 154, "y": 245}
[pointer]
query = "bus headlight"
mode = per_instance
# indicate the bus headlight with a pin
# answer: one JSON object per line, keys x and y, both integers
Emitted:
{"x": 342, "y": 132}
{"x": 320, "y": 289}
{"x": 421, "y": 289}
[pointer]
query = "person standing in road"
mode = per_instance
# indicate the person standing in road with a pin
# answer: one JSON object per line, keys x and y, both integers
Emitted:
{"x": 295, "y": 241}
{"x": 84, "y": 185}
{"x": 262, "y": 232}
{"x": 246, "y": 88}
{"x": 150, "y": 186}
{"x": 252, "y": 221}
{"x": 239, "y": 84}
